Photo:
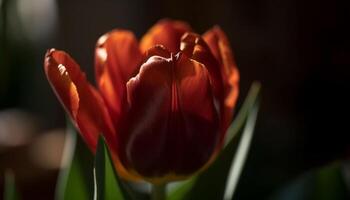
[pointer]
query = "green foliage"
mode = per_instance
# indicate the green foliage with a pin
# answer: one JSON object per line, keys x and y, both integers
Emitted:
{"x": 326, "y": 183}
{"x": 10, "y": 191}
{"x": 108, "y": 186}
{"x": 76, "y": 178}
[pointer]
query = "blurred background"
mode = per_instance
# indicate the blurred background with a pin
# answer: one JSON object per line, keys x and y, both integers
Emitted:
{"x": 299, "y": 50}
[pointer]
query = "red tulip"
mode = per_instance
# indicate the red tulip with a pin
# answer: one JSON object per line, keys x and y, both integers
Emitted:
{"x": 163, "y": 105}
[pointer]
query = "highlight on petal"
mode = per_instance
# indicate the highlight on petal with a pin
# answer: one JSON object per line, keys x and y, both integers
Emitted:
{"x": 117, "y": 58}
{"x": 172, "y": 113}
{"x": 158, "y": 50}
{"x": 220, "y": 47}
{"x": 165, "y": 32}
{"x": 80, "y": 99}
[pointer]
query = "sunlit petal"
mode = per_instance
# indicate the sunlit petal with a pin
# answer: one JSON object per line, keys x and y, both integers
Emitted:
{"x": 167, "y": 33}
{"x": 220, "y": 47}
{"x": 117, "y": 57}
{"x": 78, "y": 96}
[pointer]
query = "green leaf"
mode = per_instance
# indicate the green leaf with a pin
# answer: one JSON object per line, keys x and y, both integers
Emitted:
{"x": 241, "y": 154}
{"x": 182, "y": 190}
{"x": 75, "y": 180}
{"x": 108, "y": 186}
{"x": 240, "y": 119}
{"x": 220, "y": 179}
{"x": 10, "y": 192}
{"x": 327, "y": 183}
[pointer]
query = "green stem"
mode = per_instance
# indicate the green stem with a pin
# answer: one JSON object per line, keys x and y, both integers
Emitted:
{"x": 158, "y": 192}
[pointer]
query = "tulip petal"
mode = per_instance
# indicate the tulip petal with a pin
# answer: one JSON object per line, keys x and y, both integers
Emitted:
{"x": 172, "y": 126}
{"x": 149, "y": 98}
{"x": 195, "y": 48}
{"x": 117, "y": 57}
{"x": 220, "y": 47}
{"x": 167, "y": 33}
{"x": 78, "y": 96}
{"x": 200, "y": 116}
{"x": 158, "y": 50}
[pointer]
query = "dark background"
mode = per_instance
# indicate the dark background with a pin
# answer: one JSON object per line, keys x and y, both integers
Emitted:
{"x": 299, "y": 50}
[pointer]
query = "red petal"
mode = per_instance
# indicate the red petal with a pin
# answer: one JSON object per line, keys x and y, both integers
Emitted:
{"x": 201, "y": 120}
{"x": 117, "y": 58}
{"x": 78, "y": 96}
{"x": 158, "y": 50}
{"x": 192, "y": 80}
{"x": 167, "y": 33}
{"x": 172, "y": 126}
{"x": 220, "y": 47}
{"x": 195, "y": 47}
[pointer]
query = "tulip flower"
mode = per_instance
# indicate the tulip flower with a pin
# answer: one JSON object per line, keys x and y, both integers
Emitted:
{"x": 162, "y": 104}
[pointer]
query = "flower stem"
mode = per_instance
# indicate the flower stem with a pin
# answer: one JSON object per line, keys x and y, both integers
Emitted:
{"x": 158, "y": 192}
